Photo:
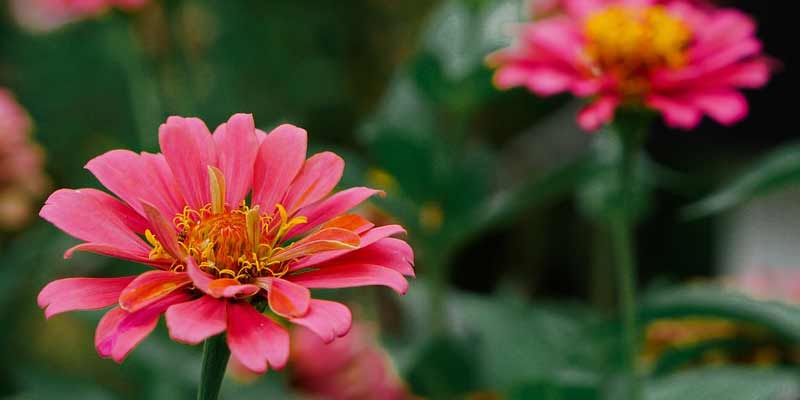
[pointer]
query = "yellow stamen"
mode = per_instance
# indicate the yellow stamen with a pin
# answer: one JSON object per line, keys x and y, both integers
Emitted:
{"x": 630, "y": 42}
{"x": 217, "y": 185}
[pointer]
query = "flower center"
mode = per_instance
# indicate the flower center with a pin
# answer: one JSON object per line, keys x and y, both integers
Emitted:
{"x": 231, "y": 243}
{"x": 631, "y": 42}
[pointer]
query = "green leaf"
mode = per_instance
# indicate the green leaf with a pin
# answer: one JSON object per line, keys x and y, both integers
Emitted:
{"x": 777, "y": 170}
{"x": 712, "y": 301}
{"x": 727, "y": 383}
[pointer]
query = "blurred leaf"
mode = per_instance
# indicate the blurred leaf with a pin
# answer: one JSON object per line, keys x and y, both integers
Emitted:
{"x": 706, "y": 300}
{"x": 556, "y": 390}
{"x": 777, "y": 170}
{"x": 727, "y": 383}
{"x": 445, "y": 368}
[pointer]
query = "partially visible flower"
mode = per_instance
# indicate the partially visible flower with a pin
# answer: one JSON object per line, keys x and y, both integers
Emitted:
{"x": 223, "y": 263}
{"x": 22, "y": 180}
{"x": 546, "y": 8}
{"x": 47, "y": 15}
{"x": 777, "y": 284}
{"x": 674, "y": 57}
{"x": 354, "y": 367}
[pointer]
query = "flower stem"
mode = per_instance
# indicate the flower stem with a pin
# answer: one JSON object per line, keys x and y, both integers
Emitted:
{"x": 630, "y": 129}
{"x": 215, "y": 359}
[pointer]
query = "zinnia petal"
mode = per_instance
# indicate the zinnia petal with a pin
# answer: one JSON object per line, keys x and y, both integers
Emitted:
{"x": 150, "y": 287}
{"x": 286, "y": 299}
{"x": 280, "y": 157}
{"x": 328, "y": 319}
{"x": 351, "y": 275}
{"x": 120, "y": 331}
{"x": 255, "y": 340}
{"x": 189, "y": 150}
{"x": 316, "y": 179}
{"x": 334, "y": 205}
{"x": 237, "y": 147}
{"x": 195, "y": 321}
{"x": 72, "y": 294}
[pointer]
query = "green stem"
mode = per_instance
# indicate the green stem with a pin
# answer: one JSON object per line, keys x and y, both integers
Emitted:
{"x": 215, "y": 359}
{"x": 630, "y": 129}
{"x": 626, "y": 281}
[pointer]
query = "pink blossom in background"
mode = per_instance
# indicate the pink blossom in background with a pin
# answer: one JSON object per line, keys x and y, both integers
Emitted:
{"x": 354, "y": 367}
{"x": 680, "y": 59}
{"x": 47, "y": 15}
{"x": 217, "y": 261}
{"x": 777, "y": 284}
{"x": 22, "y": 180}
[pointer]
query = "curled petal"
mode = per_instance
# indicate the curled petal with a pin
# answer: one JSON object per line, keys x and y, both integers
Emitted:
{"x": 328, "y": 239}
{"x": 325, "y": 210}
{"x": 328, "y": 319}
{"x": 164, "y": 231}
{"x": 81, "y": 294}
{"x": 150, "y": 287}
{"x": 256, "y": 342}
{"x": 367, "y": 238}
{"x": 286, "y": 298}
{"x": 388, "y": 252}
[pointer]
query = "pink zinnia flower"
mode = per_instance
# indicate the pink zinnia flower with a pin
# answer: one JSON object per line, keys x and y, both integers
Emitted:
{"x": 354, "y": 367}
{"x": 22, "y": 180}
{"x": 46, "y": 15}
{"x": 218, "y": 262}
{"x": 673, "y": 57}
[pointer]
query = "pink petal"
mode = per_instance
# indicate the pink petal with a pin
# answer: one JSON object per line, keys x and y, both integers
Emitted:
{"x": 545, "y": 81}
{"x": 325, "y": 210}
{"x": 388, "y": 252}
{"x": 280, "y": 157}
{"x": 164, "y": 231}
{"x": 237, "y": 147}
{"x": 676, "y": 113}
{"x": 368, "y": 238}
{"x": 116, "y": 252}
{"x": 328, "y": 319}
{"x": 162, "y": 184}
{"x": 200, "y": 279}
{"x": 559, "y": 37}
{"x": 286, "y": 298}
{"x": 128, "y": 215}
{"x": 255, "y": 340}
{"x": 189, "y": 150}
{"x": 81, "y": 215}
{"x": 195, "y": 321}
{"x": 134, "y": 178}
{"x": 316, "y": 179}
{"x": 227, "y": 287}
{"x": 120, "y": 331}
{"x": 725, "y": 106}
{"x": 150, "y": 287}
{"x": 81, "y": 294}
{"x": 325, "y": 240}
{"x": 350, "y": 222}
{"x": 598, "y": 113}
{"x": 351, "y": 275}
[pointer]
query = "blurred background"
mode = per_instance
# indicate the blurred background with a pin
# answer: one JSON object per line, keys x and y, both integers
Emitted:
{"x": 502, "y": 194}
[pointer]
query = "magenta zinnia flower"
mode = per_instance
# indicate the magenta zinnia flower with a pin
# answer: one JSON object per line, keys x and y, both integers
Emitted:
{"x": 46, "y": 15}
{"x": 22, "y": 179}
{"x": 219, "y": 262}
{"x": 674, "y": 57}
{"x": 355, "y": 367}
